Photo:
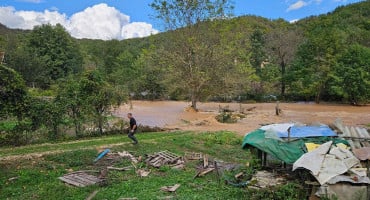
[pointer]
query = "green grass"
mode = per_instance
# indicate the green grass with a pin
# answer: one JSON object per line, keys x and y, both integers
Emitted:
{"x": 38, "y": 176}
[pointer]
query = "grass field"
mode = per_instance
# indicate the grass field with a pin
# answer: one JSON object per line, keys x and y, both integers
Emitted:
{"x": 37, "y": 168}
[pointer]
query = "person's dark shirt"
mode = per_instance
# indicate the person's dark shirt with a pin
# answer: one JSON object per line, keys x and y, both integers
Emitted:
{"x": 132, "y": 123}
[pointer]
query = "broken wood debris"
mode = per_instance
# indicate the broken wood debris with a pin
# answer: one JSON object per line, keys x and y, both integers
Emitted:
{"x": 205, "y": 161}
{"x": 142, "y": 173}
{"x": 162, "y": 158}
{"x": 206, "y": 171}
{"x": 193, "y": 156}
{"x": 13, "y": 178}
{"x": 126, "y": 154}
{"x": 80, "y": 179}
{"x": 238, "y": 175}
{"x": 170, "y": 188}
{"x": 119, "y": 168}
{"x": 179, "y": 164}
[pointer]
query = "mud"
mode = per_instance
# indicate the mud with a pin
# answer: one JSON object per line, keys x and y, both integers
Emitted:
{"x": 175, "y": 115}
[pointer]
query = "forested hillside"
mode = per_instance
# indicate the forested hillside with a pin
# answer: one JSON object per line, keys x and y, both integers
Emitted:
{"x": 248, "y": 58}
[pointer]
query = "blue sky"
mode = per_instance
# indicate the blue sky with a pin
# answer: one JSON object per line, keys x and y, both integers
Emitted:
{"x": 11, "y": 12}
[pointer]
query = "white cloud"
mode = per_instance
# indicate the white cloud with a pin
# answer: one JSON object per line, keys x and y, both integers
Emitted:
{"x": 97, "y": 22}
{"x": 32, "y": 18}
{"x": 297, "y": 5}
{"x": 293, "y": 21}
{"x": 137, "y": 29}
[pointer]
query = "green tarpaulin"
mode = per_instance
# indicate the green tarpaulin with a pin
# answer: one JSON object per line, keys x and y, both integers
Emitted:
{"x": 286, "y": 151}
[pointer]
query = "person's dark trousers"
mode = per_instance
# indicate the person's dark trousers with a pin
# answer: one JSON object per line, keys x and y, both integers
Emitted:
{"x": 132, "y": 137}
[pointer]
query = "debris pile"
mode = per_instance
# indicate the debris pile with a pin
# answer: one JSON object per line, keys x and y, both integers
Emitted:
{"x": 162, "y": 158}
{"x": 334, "y": 157}
{"x": 263, "y": 179}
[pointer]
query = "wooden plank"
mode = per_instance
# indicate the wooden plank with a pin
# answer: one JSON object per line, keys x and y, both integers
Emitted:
{"x": 206, "y": 171}
{"x": 167, "y": 156}
{"x": 193, "y": 156}
{"x": 71, "y": 182}
{"x": 119, "y": 168}
{"x": 80, "y": 179}
{"x": 86, "y": 179}
{"x": 238, "y": 175}
{"x": 205, "y": 161}
{"x": 170, "y": 188}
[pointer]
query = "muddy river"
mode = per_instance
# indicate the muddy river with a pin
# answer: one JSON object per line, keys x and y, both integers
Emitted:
{"x": 174, "y": 114}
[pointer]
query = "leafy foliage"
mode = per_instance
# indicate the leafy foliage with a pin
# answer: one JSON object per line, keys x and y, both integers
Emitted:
{"x": 55, "y": 49}
{"x": 12, "y": 93}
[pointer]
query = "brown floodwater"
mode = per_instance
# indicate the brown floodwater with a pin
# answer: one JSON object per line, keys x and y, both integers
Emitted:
{"x": 173, "y": 114}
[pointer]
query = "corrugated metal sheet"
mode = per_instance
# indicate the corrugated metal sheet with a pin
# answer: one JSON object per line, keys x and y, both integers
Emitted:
{"x": 357, "y": 137}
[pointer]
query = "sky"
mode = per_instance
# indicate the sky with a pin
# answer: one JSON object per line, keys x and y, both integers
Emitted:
{"x": 123, "y": 19}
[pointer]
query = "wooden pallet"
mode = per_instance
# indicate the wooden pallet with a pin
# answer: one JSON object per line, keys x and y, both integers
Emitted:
{"x": 162, "y": 158}
{"x": 193, "y": 156}
{"x": 80, "y": 179}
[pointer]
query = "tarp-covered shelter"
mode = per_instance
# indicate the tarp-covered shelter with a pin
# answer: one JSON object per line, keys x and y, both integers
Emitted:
{"x": 273, "y": 140}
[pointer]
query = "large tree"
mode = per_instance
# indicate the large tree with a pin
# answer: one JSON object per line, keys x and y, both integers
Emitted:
{"x": 57, "y": 52}
{"x": 282, "y": 44}
{"x": 353, "y": 74}
{"x": 192, "y": 51}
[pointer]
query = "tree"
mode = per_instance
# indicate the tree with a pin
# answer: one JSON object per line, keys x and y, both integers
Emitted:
{"x": 316, "y": 61}
{"x": 149, "y": 81}
{"x": 70, "y": 95}
{"x": 13, "y": 93}
{"x": 353, "y": 72}
{"x": 282, "y": 44}
{"x": 191, "y": 51}
{"x": 57, "y": 52}
{"x": 100, "y": 96}
{"x": 258, "y": 53}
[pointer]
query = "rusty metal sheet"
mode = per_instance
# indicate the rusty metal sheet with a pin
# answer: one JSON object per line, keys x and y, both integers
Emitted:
{"x": 362, "y": 153}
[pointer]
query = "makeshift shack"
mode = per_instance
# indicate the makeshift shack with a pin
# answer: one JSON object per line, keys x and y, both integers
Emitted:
{"x": 286, "y": 142}
{"x": 336, "y": 159}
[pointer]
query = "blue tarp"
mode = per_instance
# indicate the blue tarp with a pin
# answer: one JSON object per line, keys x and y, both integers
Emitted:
{"x": 298, "y": 131}
{"x": 308, "y": 131}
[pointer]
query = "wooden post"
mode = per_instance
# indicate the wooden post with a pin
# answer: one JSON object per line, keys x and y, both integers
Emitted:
{"x": 277, "y": 109}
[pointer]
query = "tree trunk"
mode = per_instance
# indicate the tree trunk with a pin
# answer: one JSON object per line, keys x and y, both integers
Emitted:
{"x": 283, "y": 70}
{"x": 100, "y": 124}
{"x": 194, "y": 100}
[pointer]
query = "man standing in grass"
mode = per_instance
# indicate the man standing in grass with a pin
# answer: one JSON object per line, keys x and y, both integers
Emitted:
{"x": 132, "y": 128}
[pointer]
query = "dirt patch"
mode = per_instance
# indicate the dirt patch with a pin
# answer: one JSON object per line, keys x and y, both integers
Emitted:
{"x": 173, "y": 115}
